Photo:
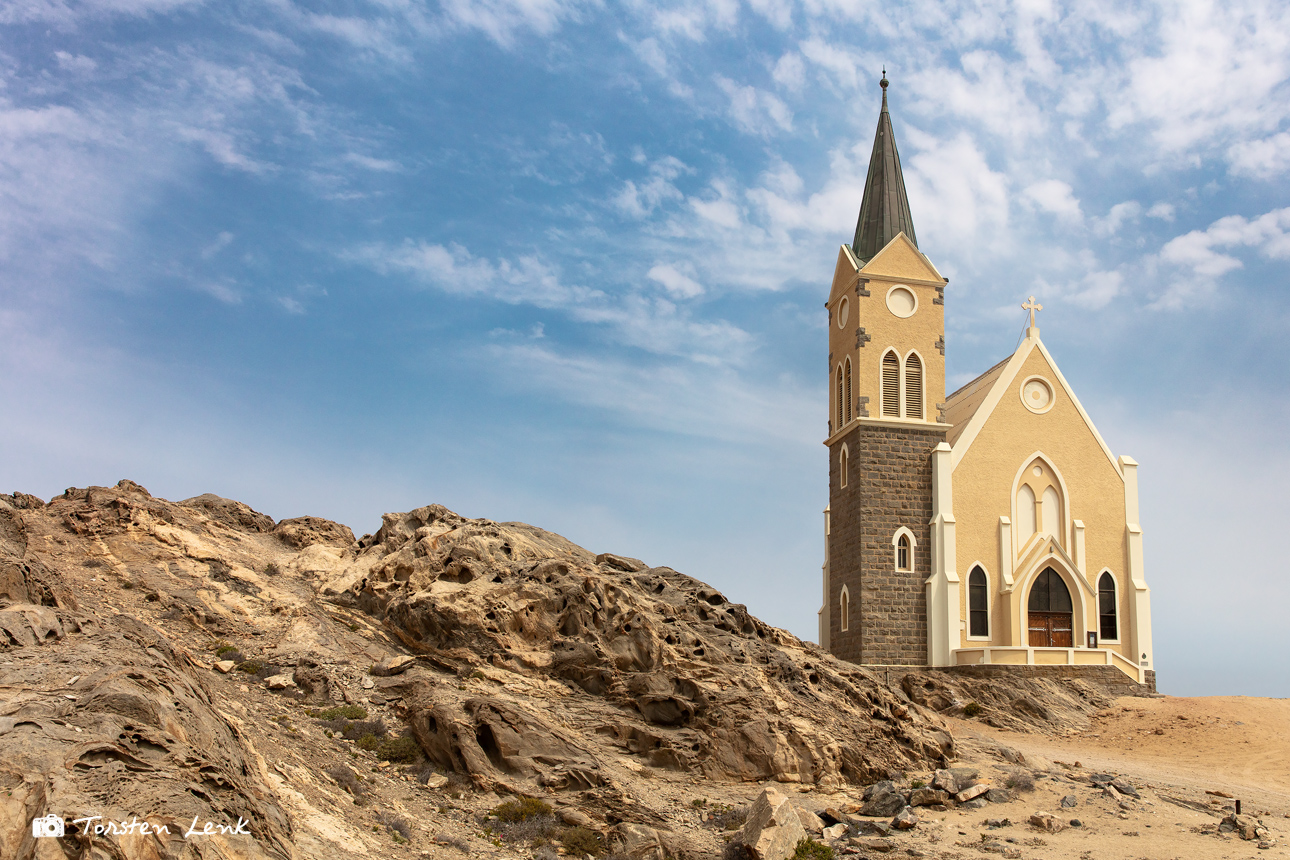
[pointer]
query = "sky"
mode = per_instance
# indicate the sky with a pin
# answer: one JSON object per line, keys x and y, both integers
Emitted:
{"x": 565, "y": 262}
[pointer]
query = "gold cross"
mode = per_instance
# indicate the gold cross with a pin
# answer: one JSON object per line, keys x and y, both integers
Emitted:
{"x": 1032, "y": 306}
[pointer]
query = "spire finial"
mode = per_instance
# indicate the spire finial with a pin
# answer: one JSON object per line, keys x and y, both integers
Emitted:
{"x": 883, "y": 83}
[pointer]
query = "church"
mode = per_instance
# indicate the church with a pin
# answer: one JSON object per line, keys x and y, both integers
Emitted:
{"x": 989, "y": 527}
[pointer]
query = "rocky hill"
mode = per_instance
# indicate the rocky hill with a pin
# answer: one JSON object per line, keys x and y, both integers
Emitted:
{"x": 516, "y": 662}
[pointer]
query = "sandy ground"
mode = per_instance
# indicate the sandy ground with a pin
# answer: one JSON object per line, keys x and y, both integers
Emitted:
{"x": 1172, "y": 749}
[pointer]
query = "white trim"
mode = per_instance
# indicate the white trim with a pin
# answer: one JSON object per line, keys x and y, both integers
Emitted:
{"x": 892, "y": 310}
{"x": 895, "y": 549}
{"x": 900, "y": 384}
{"x": 1004, "y": 383}
{"x": 844, "y": 610}
{"x": 896, "y": 423}
{"x": 1021, "y": 392}
{"x": 843, "y": 313}
{"x": 989, "y": 603}
{"x": 844, "y": 466}
{"x": 910, "y": 243}
{"x": 1079, "y": 601}
{"x": 1119, "y": 620}
{"x": 1064, "y": 538}
{"x": 848, "y": 389}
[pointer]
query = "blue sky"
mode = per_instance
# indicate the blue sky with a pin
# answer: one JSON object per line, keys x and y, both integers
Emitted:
{"x": 565, "y": 262}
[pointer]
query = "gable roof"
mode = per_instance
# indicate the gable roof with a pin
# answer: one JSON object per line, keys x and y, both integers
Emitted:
{"x": 901, "y": 259}
{"x": 993, "y": 385}
{"x": 884, "y": 211}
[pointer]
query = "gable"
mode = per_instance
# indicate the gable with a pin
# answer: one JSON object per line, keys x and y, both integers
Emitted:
{"x": 844, "y": 273}
{"x": 901, "y": 260}
{"x": 1068, "y": 419}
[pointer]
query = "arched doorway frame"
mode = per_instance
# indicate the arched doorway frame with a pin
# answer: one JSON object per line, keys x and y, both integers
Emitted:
{"x": 1081, "y": 599}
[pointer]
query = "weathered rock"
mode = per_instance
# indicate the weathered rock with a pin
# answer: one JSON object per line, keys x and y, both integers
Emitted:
{"x": 772, "y": 829}
{"x": 436, "y": 780}
{"x": 975, "y": 803}
{"x": 881, "y": 828}
{"x": 393, "y": 665}
{"x": 1122, "y": 785}
{"x": 973, "y": 792}
{"x": 879, "y": 845}
{"x": 301, "y": 532}
{"x": 906, "y": 819}
{"x": 883, "y": 801}
{"x": 811, "y": 822}
{"x": 998, "y": 795}
{"x": 832, "y": 815}
{"x": 835, "y": 831}
{"x": 638, "y": 841}
{"x": 1069, "y": 802}
{"x": 225, "y": 666}
{"x": 621, "y": 562}
{"x": 279, "y": 682}
{"x": 1245, "y": 826}
{"x": 927, "y": 797}
{"x": 1047, "y": 822}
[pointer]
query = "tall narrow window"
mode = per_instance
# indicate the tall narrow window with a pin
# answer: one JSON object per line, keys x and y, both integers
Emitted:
{"x": 1052, "y": 515}
{"x": 850, "y": 401}
{"x": 838, "y": 426}
{"x": 913, "y": 387}
{"x": 844, "y": 609}
{"x": 1107, "y": 626}
{"x": 903, "y": 553}
{"x": 842, "y": 467}
{"x": 891, "y": 385}
{"x": 978, "y": 597}
{"x": 1025, "y": 515}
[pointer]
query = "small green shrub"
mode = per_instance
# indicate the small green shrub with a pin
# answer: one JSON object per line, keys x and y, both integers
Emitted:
{"x": 478, "y": 675}
{"x": 518, "y": 810}
{"x": 579, "y": 841}
{"x": 345, "y": 712}
{"x": 250, "y": 667}
{"x": 699, "y": 802}
{"x": 809, "y": 849}
{"x": 353, "y": 628}
{"x": 918, "y": 783}
{"x": 368, "y": 742}
{"x": 972, "y": 709}
{"x": 1020, "y": 780}
{"x": 224, "y": 649}
{"x": 404, "y": 749}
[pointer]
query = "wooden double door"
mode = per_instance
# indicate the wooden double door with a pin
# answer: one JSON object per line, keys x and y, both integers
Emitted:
{"x": 1051, "y": 621}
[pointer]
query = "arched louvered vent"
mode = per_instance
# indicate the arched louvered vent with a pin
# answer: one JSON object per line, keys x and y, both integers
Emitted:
{"x": 913, "y": 387}
{"x": 891, "y": 385}
{"x": 838, "y": 426}
{"x": 850, "y": 401}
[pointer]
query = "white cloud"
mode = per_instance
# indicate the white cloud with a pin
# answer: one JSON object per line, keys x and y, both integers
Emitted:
{"x": 675, "y": 282}
{"x": 756, "y": 111}
{"x": 960, "y": 205}
{"x": 1261, "y": 159}
{"x": 1096, "y": 290}
{"x": 1056, "y": 197}
{"x": 720, "y": 209}
{"x": 291, "y": 305}
{"x": 378, "y": 164}
{"x": 789, "y": 72}
{"x": 1196, "y": 252}
{"x": 75, "y": 62}
{"x": 502, "y": 20}
{"x": 1163, "y": 211}
{"x": 222, "y": 241}
{"x": 1120, "y": 214}
{"x": 640, "y": 201}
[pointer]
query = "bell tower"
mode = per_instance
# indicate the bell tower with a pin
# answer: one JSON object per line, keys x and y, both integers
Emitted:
{"x": 886, "y": 400}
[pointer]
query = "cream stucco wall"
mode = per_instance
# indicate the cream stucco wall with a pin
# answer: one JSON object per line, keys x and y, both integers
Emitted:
{"x": 986, "y": 470}
{"x": 898, "y": 263}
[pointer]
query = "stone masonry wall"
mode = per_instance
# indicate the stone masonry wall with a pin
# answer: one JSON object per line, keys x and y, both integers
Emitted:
{"x": 890, "y": 485}
{"x": 1111, "y": 680}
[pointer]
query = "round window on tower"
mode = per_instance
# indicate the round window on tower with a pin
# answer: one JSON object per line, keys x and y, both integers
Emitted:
{"x": 901, "y": 301}
{"x": 1037, "y": 394}
{"x": 844, "y": 311}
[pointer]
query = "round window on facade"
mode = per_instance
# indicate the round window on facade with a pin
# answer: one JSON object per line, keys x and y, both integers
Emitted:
{"x": 901, "y": 301}
{"x": 844, "y": 311}
{"x": 1037, "y": 394}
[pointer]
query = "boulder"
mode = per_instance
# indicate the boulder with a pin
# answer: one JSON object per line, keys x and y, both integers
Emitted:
{"x": 928, "y": 797}
{"x": 906, "y": 819}
{"x": 998, "y": 795}
{"x": 1245, "y": 826}
{"x": 639, "y": 842}
{"x": 878, "y": 845}
{"x": 811, "y": 822}
{"x": 1121, "y": 785}
{"x": 772, "y": 829}
{"x": 1047, "y": 822}
{"x": 974, "y": 803}
{"x": 436, "y": 780}
{"x": 225, "y": 666}
{"x": 835, "y": 831}
{"x": 832, "y": 815}
{"x": 973, "y": 792}
{"x": 883, "y": 801}
{"x": 1069, "y": 802}
{"x": 279, "y": 682}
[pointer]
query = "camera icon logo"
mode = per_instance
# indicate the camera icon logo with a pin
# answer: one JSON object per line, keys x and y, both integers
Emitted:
{"x": 49, "y": 825}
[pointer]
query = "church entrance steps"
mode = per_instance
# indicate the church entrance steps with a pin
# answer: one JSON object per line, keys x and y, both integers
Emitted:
{"x": 1019, "y": 655}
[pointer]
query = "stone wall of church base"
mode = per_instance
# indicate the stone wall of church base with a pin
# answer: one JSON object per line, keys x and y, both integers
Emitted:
{"x": 889, "y": 487}
{"x": 1109, "y": 679}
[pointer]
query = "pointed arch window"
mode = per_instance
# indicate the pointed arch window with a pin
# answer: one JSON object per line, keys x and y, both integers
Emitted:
{"x": 1026, "y": 525}
{"x": 913, "y": 387}
{"x": 891, "y": 385}
{"x": 849, "y": 400}
{"x": 843, "y": 467}
{"x": 1108, "y": 623}
{"x": 978, "y": 604}
{"x": 838, "y": 386}
{"x": 844, "y": 609}
{"x": 904, "y": 560}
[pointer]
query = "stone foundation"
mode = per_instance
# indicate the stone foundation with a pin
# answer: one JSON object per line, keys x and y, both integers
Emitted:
{"x": 1108, "y": 678}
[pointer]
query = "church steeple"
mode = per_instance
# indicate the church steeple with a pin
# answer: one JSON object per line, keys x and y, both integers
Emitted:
{"x": 884, "y": 212}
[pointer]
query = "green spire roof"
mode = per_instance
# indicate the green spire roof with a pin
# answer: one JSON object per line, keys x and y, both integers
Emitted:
{"x": 884, "y": 212}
